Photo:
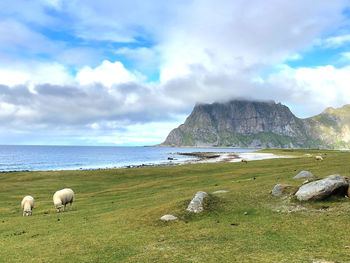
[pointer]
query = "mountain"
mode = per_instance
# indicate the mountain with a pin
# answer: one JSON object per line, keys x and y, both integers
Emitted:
{"x": 242, "y": 123}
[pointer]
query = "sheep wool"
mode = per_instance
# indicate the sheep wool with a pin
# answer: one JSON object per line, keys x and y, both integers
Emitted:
{"x": 27, "y": 205}
{"x": 318, "y": 158}
{"x": 62, "y": 198}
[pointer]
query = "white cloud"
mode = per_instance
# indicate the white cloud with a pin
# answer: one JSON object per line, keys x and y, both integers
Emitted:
{"x": 35, "y": 74}
{"x": 107, "y": 73}
{"x": 236, "y": 36}
{"x": 311, "y": 90}
{"x": 333, "y": 42}
{"x": 17, "y": 37}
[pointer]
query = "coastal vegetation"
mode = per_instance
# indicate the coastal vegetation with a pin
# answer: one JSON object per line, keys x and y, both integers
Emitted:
{"x": 116, "y": 214}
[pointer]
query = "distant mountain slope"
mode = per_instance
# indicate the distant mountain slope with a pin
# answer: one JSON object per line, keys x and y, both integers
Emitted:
{"x": 241, "y": 123}
{"x": 332, "y": 127}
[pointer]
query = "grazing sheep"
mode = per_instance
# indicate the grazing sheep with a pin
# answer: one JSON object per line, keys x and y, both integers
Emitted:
{"x": 244, "y": 161}
{"x": 318, "y": 158}
{"x": 27, "y": 205}
{"x": 63, "y": 197}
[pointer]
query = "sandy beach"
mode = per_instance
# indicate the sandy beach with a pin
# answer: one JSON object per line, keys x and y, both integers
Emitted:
{"x": 213, "y": 157}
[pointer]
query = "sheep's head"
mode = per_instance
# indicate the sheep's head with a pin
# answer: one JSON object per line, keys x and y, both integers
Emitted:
{"x": 27, "y": 212}
{"x": 58, "y": 206}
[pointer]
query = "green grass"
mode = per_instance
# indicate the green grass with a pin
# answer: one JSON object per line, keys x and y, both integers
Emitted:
{"x": 115, "y": 216}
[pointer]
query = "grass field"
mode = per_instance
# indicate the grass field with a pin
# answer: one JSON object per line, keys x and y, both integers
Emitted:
{"x": 115, "y": 216}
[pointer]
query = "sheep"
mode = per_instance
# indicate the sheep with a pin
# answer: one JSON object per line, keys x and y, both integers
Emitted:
{"x": 318, "y": 158}
{"x": 27, "y": 205}
{"x": 244, "y": 161}
{"x": 63, "y": 197}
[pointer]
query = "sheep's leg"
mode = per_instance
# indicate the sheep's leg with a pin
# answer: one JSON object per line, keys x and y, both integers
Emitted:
{"x": 64, "y": 209}
{"x": 71, "y": 203}
{"x": 24, "y": 213}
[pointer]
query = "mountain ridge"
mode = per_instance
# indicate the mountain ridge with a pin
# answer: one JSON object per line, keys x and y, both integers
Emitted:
{"x": 265, "y": 124}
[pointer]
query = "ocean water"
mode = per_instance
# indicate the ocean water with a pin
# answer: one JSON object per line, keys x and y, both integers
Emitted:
{"x": 42, "y": 158}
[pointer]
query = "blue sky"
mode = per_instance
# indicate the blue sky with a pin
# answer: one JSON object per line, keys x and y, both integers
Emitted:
{"x": 127, "y": 72}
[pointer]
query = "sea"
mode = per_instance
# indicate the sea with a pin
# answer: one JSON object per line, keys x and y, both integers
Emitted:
{"x": 43, "y": 158}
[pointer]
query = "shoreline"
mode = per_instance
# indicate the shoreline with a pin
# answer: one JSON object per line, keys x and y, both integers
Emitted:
{"x": 198, "y": 157}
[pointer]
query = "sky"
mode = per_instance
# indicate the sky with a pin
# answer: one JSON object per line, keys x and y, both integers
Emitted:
{"x": 113, "y": 72}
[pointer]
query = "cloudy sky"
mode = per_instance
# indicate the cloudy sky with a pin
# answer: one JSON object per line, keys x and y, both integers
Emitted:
{"x": 114, "y": 72}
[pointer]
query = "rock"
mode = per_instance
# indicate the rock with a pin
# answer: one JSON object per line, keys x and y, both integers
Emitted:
{"x": 304, "y": 174}
{"x": 278, "y": 190}
{"x": 220, "y": 192}
{"x": 168, "y": 218}
{"x": 245, "y": 213}
{"x": 321, "y": 189}
{"x": 196, "y": 204}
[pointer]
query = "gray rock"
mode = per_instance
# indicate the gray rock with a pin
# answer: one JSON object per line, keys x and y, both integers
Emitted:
{"x": 304, "y": 174}
{"x": 168, "y": 218}
{"x": 220, "y": 192}
{"x": 321, "y": 189}
{"x": 277, "y": 190}
{"x": 196, "y": 204}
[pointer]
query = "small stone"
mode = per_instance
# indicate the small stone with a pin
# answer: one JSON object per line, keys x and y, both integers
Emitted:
{"x": 278, "y": 211}
{"x": 346, "y": 247}
{"x": 161, "y": 240}
{"x": 220, "y": 192}
{"x": 168, "y": 218}
{"x": 245, "y": 213}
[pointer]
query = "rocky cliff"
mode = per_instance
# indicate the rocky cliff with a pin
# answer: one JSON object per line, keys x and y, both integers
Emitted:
{"x": 243, "y": 123}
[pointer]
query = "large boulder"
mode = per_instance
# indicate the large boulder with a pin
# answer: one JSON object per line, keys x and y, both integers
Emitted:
{"x": 196, "y": 204}
{"x": 321, "y": 189}
{"x": 304, "y": 174}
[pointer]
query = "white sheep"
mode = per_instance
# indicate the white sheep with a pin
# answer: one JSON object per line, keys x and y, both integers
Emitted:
{"x": 63, "y": 197}
{"x": 244, "y": 160}
{"x": 27, "y": 205}
{"x": 318, "y": 158}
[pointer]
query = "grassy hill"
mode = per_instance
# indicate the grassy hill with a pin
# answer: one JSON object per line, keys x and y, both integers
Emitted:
{"x": 115, "y": 217}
